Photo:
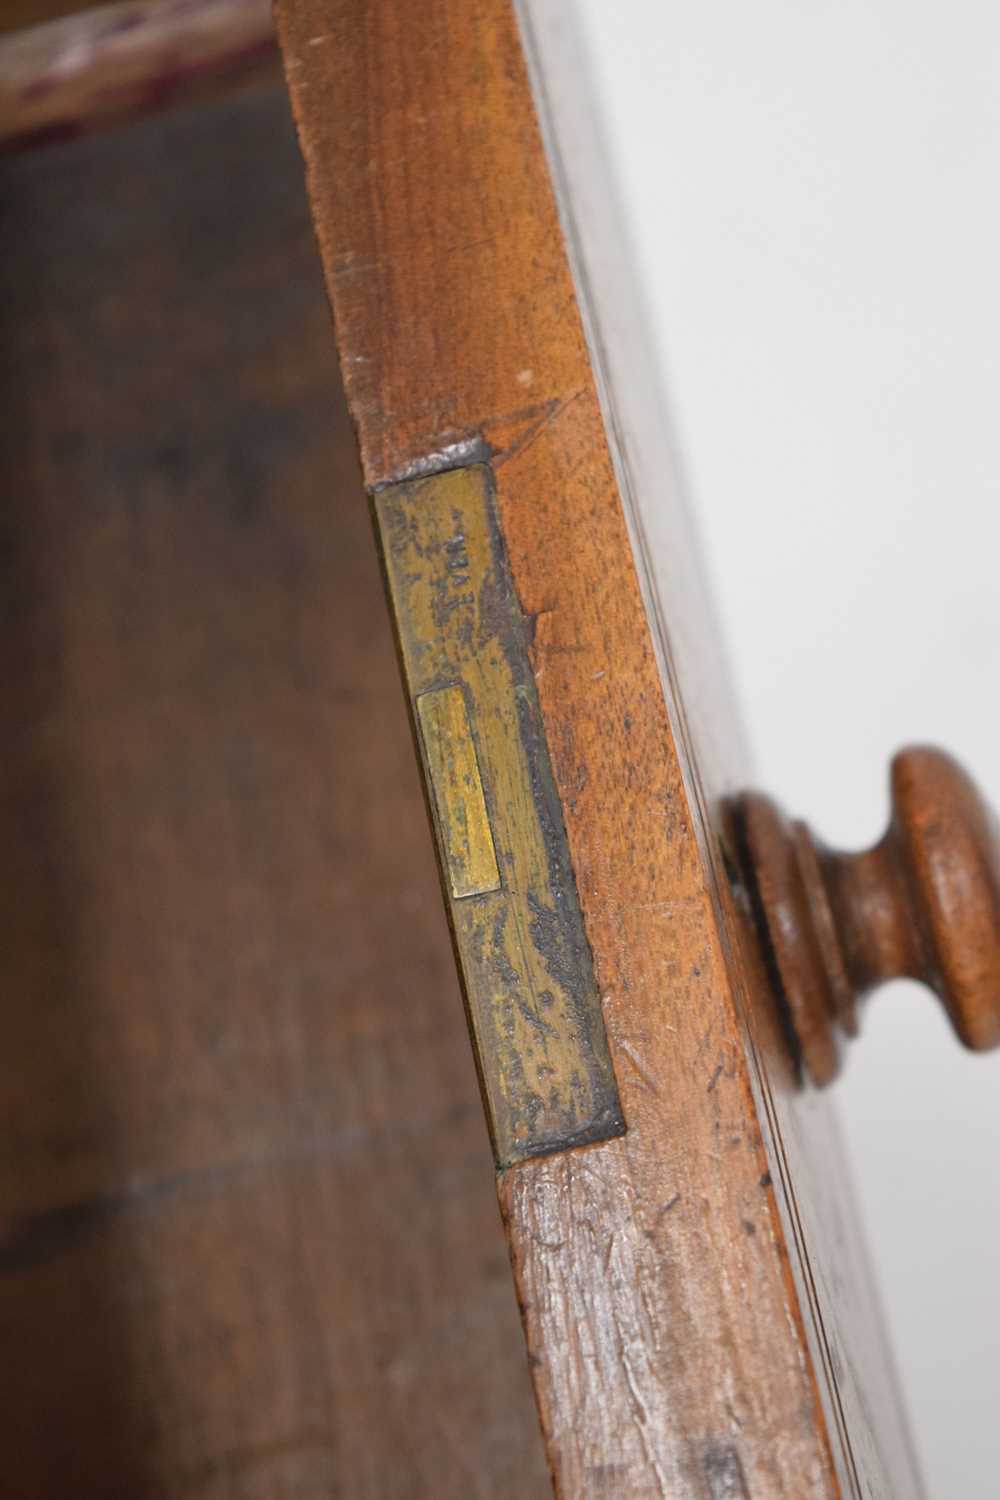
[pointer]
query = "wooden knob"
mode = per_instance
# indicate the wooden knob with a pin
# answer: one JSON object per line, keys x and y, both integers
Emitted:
{"x": 924, "y": 903}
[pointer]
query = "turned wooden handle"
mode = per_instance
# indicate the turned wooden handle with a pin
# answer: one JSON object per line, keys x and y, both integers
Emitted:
{"x": 924, "y": 903}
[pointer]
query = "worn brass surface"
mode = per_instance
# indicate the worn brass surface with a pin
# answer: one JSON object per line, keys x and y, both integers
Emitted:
{"x": 533, "y": 1004}
{"x": 458, "y": 792}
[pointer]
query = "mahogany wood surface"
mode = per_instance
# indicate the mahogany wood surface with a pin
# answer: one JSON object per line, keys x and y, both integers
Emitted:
{"x": 921, "y": 904}
{"x": 694, "y": 1294}
{"x": 249, "y": 1245}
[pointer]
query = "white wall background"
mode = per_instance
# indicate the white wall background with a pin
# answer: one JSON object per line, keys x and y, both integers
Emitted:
{"x": 811, "y": 192}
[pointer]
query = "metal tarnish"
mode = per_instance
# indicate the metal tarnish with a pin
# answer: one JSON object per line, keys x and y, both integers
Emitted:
{"x": 533, "y": 1005}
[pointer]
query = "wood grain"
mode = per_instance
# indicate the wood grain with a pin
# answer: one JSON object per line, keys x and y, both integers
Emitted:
{"x": 689, "y": 1290}
{"x": 249, "y": 1245}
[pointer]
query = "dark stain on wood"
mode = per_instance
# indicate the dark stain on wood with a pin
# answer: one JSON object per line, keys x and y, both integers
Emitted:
{"x": 724, "y": 1474}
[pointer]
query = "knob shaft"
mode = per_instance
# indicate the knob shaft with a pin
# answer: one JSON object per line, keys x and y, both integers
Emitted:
{"x": 923, "y": 903}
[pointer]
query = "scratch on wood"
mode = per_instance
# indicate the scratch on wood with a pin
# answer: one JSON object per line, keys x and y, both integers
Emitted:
{"x": 670, "y": 1203}
{"x": 551, "y": 411}
{"x": 640, "y": 1070}
{"x": 706, "y": 1038}
{"x": 641, "y": 1414}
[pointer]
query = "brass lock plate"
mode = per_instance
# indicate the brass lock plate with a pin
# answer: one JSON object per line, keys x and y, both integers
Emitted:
{"x": 532, "y": 1000}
